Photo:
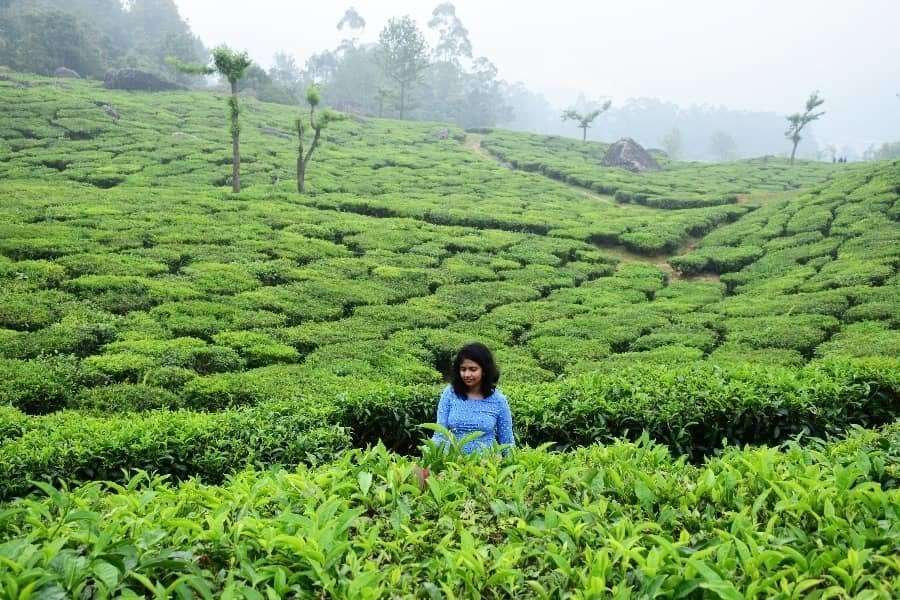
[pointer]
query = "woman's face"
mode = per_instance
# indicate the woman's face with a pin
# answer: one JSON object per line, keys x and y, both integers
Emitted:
{"x": 470, "y": 373}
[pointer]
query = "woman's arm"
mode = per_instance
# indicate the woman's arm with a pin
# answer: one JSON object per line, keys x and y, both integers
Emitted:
{"x": 504, "y": 426}
{"x": 443, "y": 415}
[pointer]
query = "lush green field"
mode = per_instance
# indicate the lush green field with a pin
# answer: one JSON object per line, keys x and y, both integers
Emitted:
{"x": 679, "y": 185}
{"x": 149, "y": 319}
{"x": 623, "y": 520}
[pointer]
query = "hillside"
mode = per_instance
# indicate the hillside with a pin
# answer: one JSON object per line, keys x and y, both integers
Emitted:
{"x": 149, "y": 319}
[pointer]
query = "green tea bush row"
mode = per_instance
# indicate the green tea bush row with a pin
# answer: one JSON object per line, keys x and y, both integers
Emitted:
{"x": 73, "y": 446}
{"x": 617, "y": 521}
{"x": 677, "y": 186}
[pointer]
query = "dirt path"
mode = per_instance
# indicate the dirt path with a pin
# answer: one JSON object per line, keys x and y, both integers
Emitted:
{"x": 473, "y": 143}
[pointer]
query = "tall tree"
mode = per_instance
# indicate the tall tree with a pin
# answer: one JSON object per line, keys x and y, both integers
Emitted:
{"x": 672, "y": 143}
{"x": 286, "y": 75}
{"x": 484, "y": 104}
{"x": 317, "y": 123}
{"x": 404, "y": 55}
{"x": 584, "y": 120}
{"x": 232, "y": 66}
{"x": 722, "y": 146}
{"x": 352, "y": 20}
{"x": 797, "y": 121}
{"x": 320, "y": 67}
{"x": 453, "y": 38}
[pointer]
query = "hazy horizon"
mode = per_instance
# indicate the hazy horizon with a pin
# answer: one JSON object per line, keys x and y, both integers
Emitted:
{"x": 762, "y": 57}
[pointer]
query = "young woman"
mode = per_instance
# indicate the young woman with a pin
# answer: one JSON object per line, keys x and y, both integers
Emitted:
{"x": 472, "y": 401}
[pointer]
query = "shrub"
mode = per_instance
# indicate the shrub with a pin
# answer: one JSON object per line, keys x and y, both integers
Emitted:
{"x": 72, "y": 447}
{"x": 41, "y": 385}
{"x": 125, "y": 397}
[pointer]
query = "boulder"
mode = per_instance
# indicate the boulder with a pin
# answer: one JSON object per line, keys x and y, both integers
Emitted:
{"x": 65, "y": 73}
{"x": 628, "y": 154}
{"x": 135, "y": 79}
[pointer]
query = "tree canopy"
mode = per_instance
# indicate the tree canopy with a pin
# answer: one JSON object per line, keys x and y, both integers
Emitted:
{"x": 404, "y": 54}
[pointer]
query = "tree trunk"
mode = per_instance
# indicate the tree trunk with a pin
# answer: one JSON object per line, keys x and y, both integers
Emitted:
{"x": 794, "y": 151}
{"x": 402, "y": 99}
{"x": 301, "y": 175}
{"x": 584, "y": 134}
{"x": 235, "y": 143}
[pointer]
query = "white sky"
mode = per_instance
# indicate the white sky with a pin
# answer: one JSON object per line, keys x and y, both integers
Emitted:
{"x": 763, "y": 55}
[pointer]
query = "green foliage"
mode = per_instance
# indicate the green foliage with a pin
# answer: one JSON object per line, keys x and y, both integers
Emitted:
{"x": 403, "y": 53}
{"x": 94, "y": 36}
{"x": 230, "y": 64}
{"x": 158, "y": 324}
{"x": 751, "y": 523}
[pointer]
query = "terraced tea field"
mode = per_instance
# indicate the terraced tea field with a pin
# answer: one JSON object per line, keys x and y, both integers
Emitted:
{"x": 151, "y": 321}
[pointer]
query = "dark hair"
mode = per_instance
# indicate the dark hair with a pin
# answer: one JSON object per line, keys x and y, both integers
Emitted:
{"x": 479, "y": 353}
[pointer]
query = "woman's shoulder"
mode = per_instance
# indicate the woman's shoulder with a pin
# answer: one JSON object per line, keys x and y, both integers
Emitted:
{"x": 448, "y": 392}
{"x": 498, "y": 395}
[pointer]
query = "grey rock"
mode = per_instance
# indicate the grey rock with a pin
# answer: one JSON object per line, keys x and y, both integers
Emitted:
{"x": 628, "y": 154}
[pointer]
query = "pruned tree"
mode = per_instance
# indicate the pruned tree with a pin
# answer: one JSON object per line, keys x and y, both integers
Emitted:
{"x": 316, "y": 123}
{"x": 404, "y": 55}
{"x": 584, "y": 120}
{"x": 232, "y": 66}
{"x": 797, "y": 121}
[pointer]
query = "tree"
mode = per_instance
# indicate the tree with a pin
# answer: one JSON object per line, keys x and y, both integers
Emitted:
{"x": 232, "y": 66}
{"x": 585, "y": 120}
{"x": 317, "y": 124}
{"x": 286, "y": 76}
{"x": 51, "y": 39}
{"x": 453, "y": 37}
{"x": 351, "y": 20}
{"x": 355, "y": 24}
{"x": 722, "y": 146}
{"x": 483, "y": 104}
{"x": 672, "y": 143}
{"x": 404, "y": 54}
{"x": 320, "y": 67}
{"x": 797, "y": 121}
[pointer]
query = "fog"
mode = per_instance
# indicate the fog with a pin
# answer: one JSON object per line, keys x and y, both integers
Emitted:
{"x": 762, "y": 56}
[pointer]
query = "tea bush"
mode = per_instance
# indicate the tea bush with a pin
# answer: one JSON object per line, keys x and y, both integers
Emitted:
{"x": 150, "y": 320}
{"x": 609, "y": 520}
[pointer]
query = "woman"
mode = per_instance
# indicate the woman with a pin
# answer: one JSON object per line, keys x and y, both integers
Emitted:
{"x": 472, "y": 401}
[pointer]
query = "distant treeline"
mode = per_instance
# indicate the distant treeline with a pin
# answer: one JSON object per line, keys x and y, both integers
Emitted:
{"x": 444, "y": 81}
{"x": 94, "y": 36}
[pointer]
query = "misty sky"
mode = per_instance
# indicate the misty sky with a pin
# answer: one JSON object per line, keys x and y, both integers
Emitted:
{"x": 762, "y": 55}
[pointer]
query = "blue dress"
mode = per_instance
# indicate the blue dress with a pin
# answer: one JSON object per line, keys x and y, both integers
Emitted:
{"x": 462, "y": 416}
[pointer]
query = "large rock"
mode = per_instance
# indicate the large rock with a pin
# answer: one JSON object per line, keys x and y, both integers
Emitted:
{"x": 135, "y": 79}
{"x": 628, "y": 154}
{"x": 65, "y": 73}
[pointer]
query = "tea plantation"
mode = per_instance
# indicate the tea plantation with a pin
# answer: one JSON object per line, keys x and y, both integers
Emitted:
{"x": 205, "y": 394}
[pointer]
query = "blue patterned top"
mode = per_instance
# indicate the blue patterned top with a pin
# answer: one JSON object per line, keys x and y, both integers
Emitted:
{"x": 462, "y": 416}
